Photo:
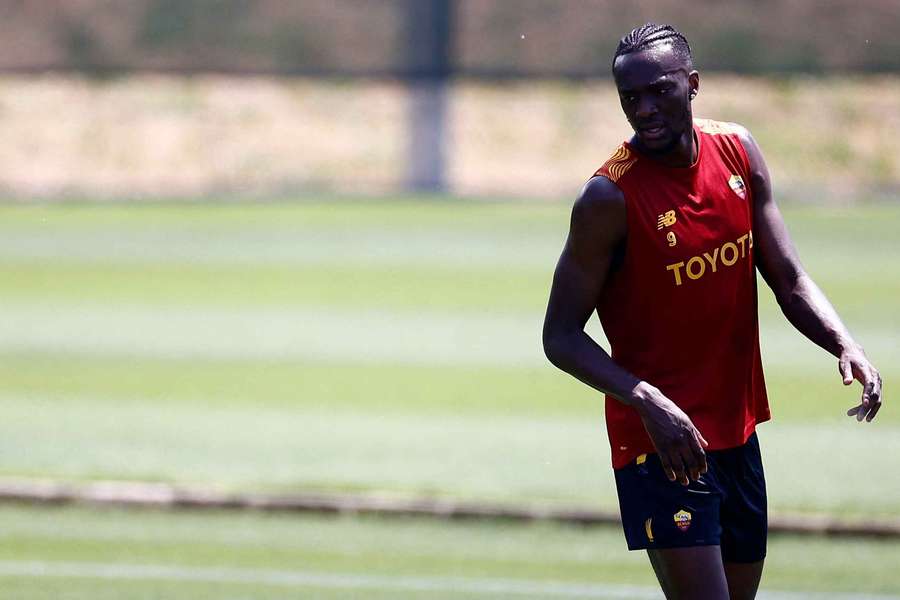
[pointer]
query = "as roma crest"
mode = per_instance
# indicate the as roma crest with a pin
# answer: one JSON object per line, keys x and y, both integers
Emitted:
{"x": 736, "y": 183}
{"x": 683, "y": 520}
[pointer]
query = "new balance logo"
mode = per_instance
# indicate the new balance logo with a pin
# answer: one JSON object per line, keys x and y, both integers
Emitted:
{"x": 667, "y": 219}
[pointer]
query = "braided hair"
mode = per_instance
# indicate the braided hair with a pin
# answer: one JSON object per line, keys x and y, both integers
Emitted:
{"x": 653, "y": 33}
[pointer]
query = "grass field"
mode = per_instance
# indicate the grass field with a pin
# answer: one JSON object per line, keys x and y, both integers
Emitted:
{"x": 84, "y": 554}
{"x": 380, "y": 346}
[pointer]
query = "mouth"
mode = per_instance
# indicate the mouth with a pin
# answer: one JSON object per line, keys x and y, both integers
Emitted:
{"x": 655, "y": 131}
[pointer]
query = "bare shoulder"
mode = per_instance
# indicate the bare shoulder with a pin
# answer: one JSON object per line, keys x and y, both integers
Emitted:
{"x": 747, "y": 141}
{"x": 600, "y": 200}
{"x": 758, "y": 169}
{"x": 598, "y": 215}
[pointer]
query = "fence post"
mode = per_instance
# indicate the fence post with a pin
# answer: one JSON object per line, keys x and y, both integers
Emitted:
{"x": 429, "y": 32}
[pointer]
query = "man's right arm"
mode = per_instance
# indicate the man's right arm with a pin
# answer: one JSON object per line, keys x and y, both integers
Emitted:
{"x": 597, "y": 229}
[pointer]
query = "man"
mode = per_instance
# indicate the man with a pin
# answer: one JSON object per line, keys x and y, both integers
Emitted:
{"x": 664, "y": 244}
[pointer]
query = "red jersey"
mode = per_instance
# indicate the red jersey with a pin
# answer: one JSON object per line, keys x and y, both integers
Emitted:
{"x": 681, "y": 311}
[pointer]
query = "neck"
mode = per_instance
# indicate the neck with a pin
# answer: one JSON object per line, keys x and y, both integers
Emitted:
{"x": 682, "y": 154}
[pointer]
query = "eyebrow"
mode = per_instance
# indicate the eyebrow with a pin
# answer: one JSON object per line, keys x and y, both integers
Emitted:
{"x": 652, "y": 84}
{"x": 658, "y": 81}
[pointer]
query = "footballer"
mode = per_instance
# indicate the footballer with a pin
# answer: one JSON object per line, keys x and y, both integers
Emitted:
{"x": 665, "y": 241}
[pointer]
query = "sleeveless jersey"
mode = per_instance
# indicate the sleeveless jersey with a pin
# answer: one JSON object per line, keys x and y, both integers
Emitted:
{"x": 681, "y": 311}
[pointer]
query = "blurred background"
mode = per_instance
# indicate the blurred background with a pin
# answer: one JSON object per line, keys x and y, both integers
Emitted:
{"x": 303, "y": 249}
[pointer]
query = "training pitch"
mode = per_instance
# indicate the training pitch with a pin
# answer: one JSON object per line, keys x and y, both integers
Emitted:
{"x": 375, "y": 346}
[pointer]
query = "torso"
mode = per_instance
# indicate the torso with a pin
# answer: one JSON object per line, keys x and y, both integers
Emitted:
{"x": 680, "y": 308}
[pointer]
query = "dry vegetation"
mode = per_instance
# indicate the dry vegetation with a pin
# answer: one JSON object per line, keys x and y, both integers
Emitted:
{"x": 821, "y": 136}
{"x": 188, "y": 137}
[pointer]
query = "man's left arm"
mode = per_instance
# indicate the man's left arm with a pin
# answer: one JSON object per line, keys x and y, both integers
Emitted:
{"x": 800, "y": 299}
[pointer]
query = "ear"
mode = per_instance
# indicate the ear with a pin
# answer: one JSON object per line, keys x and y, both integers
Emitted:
{"x": 694, "y": 84}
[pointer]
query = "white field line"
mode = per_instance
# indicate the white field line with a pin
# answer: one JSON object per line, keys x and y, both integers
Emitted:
{"x": 398, "y": 583}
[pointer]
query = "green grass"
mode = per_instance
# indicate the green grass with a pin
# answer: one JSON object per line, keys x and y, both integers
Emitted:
{"x": 380, "y": 346}
{"x": 410, "y": 288}
{"x": 387, "y": 347}
{"x": 390, "y": 552}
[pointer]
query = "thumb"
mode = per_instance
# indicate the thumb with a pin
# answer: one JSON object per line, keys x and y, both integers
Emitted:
{"x": 846, "y": 371}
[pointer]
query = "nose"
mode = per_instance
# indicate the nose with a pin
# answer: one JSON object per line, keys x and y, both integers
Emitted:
{"x": 645, "y": 108}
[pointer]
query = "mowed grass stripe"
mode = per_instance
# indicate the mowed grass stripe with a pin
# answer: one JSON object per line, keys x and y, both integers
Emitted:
{"x": 382, "y": 388}
{"x": 513, "y": 458}
{"x": 500, "y": 235}
{"x": 402, "y": 289}
{"x": 344, "y": 581}
{"x": 397, "y": 288}
{"x": 362, "y": 335}
{"x": 450, "y": 235}
{"x": 448, "y": 248}
{"x": 388, "y": 551}
{"x": 316, "y": 213}
{"x": 91, "y": 354}
{"x": 457, "y": 586}
{"x": 297, "y": 385}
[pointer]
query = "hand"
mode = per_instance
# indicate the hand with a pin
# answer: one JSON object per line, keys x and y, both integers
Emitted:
{"x": 853, "y": 364}
{"x": 678, "y": 443}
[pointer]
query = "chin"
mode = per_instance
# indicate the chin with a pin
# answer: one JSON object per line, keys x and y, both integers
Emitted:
{"x": 663, "y": 146}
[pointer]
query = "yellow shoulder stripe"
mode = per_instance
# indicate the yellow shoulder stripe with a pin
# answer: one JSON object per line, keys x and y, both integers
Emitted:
{"x": 716, "y": 127}
{"x": 619, "y": 163}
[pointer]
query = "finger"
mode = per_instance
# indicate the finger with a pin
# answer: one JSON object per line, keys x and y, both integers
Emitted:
{"x": 872, "y": 397}
{"x": 865, "y": 400}
{"x": 875, "y": 393}
{"x": 873, "y": 412}
{"x": 691, "y": 464}
{"x": 667, "y": 466}
{"x": 702, "y": 439}
{"x": 678, "y": 467}
{"x": 846, "y": 371}
{"x": 876, "y": 398}
{"x": 853, "y": 410}
{"x": 699, "y": 454}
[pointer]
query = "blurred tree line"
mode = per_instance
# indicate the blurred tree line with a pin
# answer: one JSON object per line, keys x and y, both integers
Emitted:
{"x": 490, "y": 38}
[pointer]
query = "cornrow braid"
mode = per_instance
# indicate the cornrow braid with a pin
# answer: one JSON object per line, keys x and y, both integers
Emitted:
{"x": 653, "y": 33}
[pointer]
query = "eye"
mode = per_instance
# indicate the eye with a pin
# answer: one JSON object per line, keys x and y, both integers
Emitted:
{"x": 665, "y": 90}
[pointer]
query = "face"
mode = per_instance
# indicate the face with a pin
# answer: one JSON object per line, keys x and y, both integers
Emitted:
{"x": 655, "y": 90}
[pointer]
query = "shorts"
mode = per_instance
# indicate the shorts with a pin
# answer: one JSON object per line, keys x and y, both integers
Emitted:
{"x": 726, "y": 507}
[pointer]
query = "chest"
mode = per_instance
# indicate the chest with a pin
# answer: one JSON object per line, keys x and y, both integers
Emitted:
{"x": 675, "y": 217}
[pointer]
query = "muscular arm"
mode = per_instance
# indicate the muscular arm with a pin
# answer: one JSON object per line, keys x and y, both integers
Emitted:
{"x": 800, "y": 299}
{"x": 597, "y": 229}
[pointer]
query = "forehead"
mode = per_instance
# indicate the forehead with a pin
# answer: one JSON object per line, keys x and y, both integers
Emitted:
{"x": 648, "y": 65}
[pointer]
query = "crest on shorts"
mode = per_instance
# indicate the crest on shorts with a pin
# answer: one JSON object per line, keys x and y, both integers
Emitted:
{"x": 682, "y": 520}
{"x": 648, "y": 527}
{"x": 736, "y": 183}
